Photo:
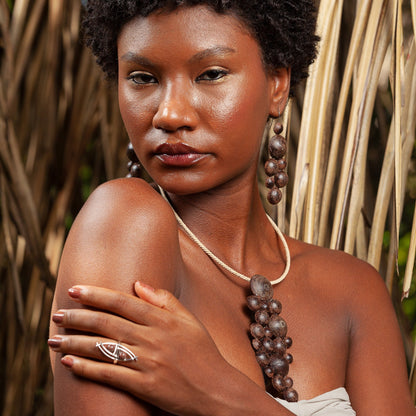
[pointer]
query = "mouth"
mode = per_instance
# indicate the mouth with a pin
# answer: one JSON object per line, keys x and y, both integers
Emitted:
{"x": 178, "y": 154}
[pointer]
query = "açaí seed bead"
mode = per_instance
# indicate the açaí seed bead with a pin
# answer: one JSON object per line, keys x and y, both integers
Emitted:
{"x": 281, "y": 179}
{"x": 289, "y": 358}
{"x": 268, "y": 344}
{"x": 257, "y": 330}
{"x": 271, "y": 167}
{"x": 279, "y": 366}
{"x": 262, "y": 317}
{"x": 256, "y": 343}
{"x": 278, "y": 128}
{"x": 263, "y": 359}
{"x": 288, "y": 382}
{"x": 280, "y": 346}
{"x": 278, "y": 383}
{"x": 277, "y": 147}
{"x": 131, "y": 154}
{"x": 275, "y": 306}
{"x": 274, "y": 196}
{"x": 268, "y": 371}
{"x": 268, "y": 333}
{"x": 254, "y": 303}
{"x": 281, "y": 164}
{"x": 288, "y": 342}
{"x": 270, "y": 182}
{"x": 260, "y": 286}
{"x": 291, "y": 395}
{"x": 135, "y": 170}
{"x": 278, "y": 326}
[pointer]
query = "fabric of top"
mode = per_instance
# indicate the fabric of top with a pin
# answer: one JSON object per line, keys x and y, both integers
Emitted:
{"x": 333, "y": 403}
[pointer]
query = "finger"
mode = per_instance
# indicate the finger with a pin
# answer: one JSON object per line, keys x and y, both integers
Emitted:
{"x": 118, "y": 376}
{"x": 160, "y": 298}
{"x": 102, "y": 323}
{"x": 97, "y": 348}
{"x": 123, "y": 304}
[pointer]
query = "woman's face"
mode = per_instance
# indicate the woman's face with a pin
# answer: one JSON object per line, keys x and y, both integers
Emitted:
{"x": 195, "y": 97}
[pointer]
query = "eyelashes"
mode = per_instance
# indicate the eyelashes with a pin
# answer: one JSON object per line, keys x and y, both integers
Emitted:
{"x": 145, "y": 78}
{"x": 212, "y": 75}
{"x": 142, "y": 78}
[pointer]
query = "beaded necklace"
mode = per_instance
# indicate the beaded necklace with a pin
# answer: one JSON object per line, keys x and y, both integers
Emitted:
{"x": 269, "y": 330}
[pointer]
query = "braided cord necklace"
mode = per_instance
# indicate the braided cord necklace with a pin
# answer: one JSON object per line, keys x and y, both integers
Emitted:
{"x": 268, "y": 330}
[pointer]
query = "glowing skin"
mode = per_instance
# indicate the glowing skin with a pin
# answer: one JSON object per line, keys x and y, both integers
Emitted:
{"x": 195, "y": 102}
{"x": 195, "y": 98}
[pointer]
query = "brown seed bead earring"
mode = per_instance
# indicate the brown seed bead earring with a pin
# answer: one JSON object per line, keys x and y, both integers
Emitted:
{"x": 276, "y": 165}
{"x": 133, "y": 165}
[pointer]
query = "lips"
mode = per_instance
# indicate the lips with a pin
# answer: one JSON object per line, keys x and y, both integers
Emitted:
{"x": 178, "y": 154}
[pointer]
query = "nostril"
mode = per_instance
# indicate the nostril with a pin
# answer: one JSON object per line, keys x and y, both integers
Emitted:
{"x": 173, "y": 116}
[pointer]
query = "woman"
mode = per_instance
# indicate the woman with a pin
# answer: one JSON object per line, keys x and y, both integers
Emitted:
{"x": 197, "y": 84}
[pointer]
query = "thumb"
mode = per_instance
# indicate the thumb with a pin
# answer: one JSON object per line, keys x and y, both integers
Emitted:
{"x": 158, "y": 297}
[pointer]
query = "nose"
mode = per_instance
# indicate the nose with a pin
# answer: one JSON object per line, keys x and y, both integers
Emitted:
{"x": 176, "y": 109}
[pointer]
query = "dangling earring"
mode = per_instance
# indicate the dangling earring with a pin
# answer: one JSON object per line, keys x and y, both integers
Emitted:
{"x": 276, "y": 165}
{"x": 133, "y": 165}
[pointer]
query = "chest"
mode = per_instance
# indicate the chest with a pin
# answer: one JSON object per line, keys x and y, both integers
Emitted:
{"x": 318, "y": 328}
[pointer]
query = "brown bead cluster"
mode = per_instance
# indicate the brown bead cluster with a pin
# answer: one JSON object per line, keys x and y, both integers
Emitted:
{"x": 133, "y": 165}
{"x": 269, "y": 337}
{"x": 276, "y": 165}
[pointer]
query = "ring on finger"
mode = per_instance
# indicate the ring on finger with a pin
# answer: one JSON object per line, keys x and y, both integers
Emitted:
{"x": 116, "y": 352}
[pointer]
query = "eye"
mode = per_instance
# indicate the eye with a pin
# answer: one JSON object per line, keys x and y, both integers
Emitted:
{"x": 212, "y": 75}
{"x": 142, "y": 78}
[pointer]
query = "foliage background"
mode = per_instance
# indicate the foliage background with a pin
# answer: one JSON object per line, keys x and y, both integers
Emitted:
{"x": 352, "y": 161}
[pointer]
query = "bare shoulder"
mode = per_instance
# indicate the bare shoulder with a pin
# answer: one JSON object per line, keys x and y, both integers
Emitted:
{"x": 123, "y": 203}
{"x": 350, "y": 278}
{"x": 125, "y": 232}
{"x": 376, "y": 377}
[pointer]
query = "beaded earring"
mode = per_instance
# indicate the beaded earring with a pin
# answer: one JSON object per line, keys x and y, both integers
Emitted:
{"x": 276, "y": 165}
{"x": 133, "y": 165}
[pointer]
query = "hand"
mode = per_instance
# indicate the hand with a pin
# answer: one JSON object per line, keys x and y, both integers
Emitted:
{"x": 177, "y": 363}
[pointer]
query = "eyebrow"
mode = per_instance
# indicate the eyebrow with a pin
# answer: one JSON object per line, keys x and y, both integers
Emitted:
{"x": 212, "y": 52}
{"x": 199, "y": 56}
{"x": 136, "y": 59}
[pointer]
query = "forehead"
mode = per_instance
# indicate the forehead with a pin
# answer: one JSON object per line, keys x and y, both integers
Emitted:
{"x": 185, "y": 30}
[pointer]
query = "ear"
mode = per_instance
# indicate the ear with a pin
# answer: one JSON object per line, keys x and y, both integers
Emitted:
{"x": 279, "y": 91}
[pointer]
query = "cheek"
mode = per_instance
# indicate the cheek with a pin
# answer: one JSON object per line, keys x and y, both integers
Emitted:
{"x": 136, "y": 114}
{"x": 241, "y": 113}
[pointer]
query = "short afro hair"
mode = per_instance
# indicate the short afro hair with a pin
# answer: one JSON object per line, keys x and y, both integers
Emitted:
{"x": 284, "y": 29}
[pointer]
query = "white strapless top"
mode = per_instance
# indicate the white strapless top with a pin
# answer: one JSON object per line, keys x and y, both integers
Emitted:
{"x": 332, "y": 403}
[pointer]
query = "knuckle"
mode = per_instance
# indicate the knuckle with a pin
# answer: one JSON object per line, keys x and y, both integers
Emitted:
{"x": 165, "y": 298}
{"x": 69, "y": 318}
{"x": 150, "y": 383}
{"x": 101, "y": 320}
{"x": 79, "y": 369}
{"x": 66, "y": 344}
{"x": 107, "y": 373}
{"x": 113, "y": 301}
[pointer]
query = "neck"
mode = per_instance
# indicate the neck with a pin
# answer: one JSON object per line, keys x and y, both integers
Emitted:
{"x": 247, "y": 239}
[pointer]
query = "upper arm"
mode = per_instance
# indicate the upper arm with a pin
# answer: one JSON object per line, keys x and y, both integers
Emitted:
{"x": 376, "y": 373}
{"x": 125, "y": 232}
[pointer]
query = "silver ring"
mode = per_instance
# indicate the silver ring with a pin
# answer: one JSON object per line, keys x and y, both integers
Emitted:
{"x": 116, "y": 352}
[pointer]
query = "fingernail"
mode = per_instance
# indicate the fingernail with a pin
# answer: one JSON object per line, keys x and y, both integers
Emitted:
{"x": 68, "y": 362}
{"x": 58, "y": 317}
{"x": 55, "y": 342}
{"x": 75, "y": 292}
{"x": 146, "y": 286}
